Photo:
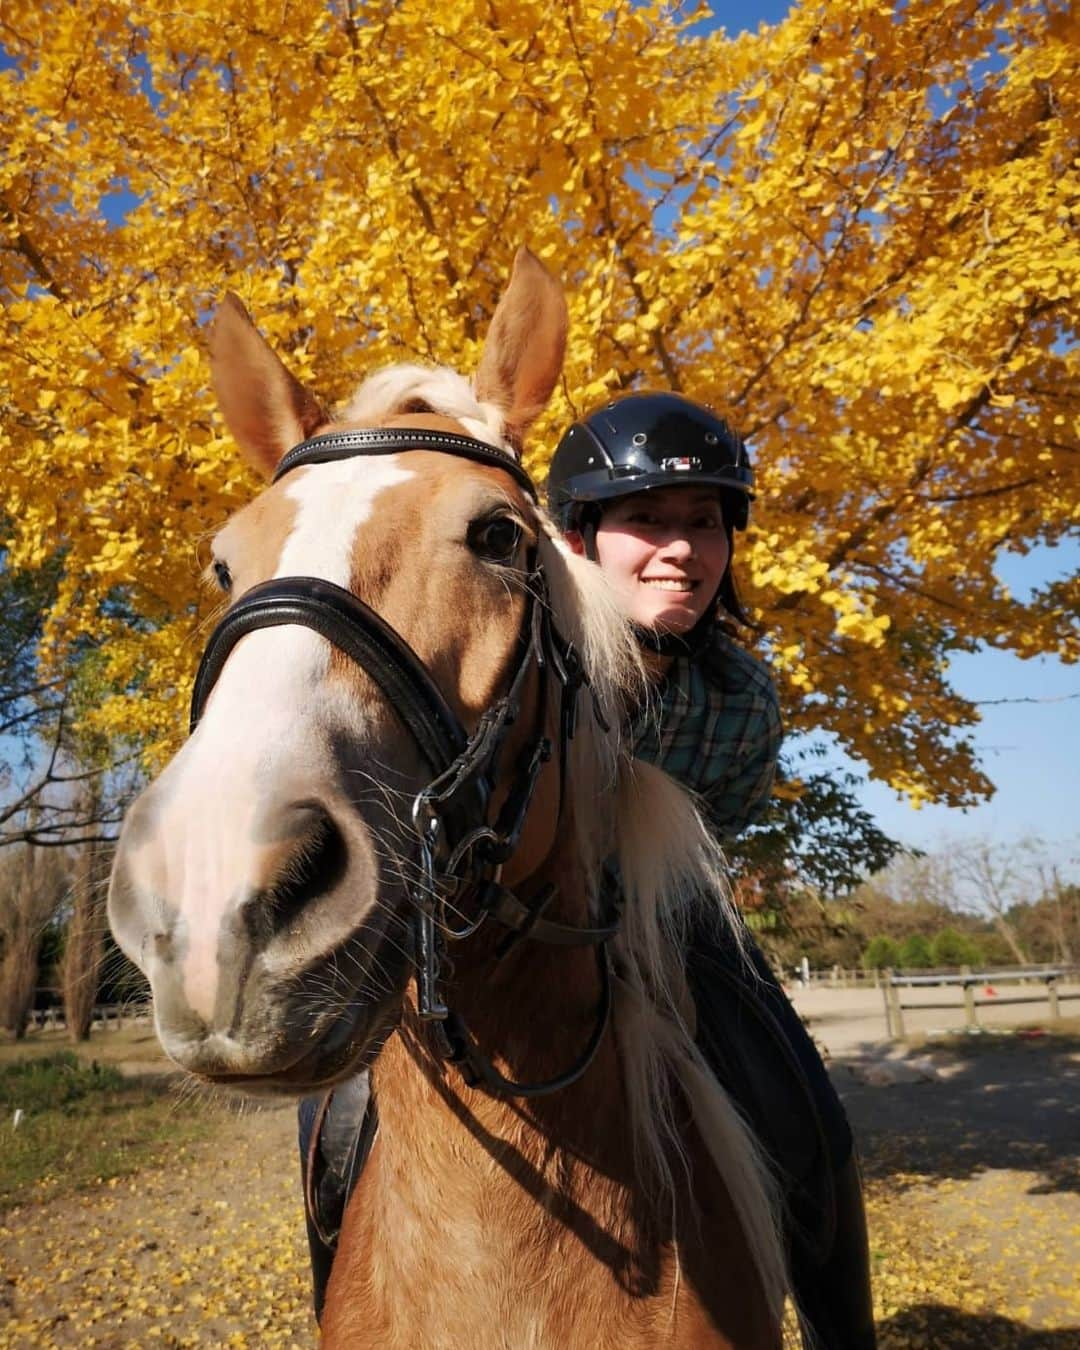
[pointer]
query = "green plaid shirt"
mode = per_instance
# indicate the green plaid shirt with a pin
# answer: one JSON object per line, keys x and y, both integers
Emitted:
{"x": 714, "y": 724}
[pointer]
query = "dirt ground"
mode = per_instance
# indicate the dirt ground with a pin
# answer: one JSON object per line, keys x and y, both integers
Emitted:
{"x": 206, "y": 1249}
{"x": 971, "y": 1160}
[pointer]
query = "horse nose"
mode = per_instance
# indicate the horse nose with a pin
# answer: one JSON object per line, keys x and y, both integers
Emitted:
{"x": 185, "y": 914}
{"x": 307, "y": 859}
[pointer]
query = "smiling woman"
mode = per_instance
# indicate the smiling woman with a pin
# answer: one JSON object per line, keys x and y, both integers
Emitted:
{"x": 653, "y": 487}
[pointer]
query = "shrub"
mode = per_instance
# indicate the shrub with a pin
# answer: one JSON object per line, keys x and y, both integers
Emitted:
{"x": 953, "y": 948}
{"x": 915, "y": 952}
{"x": 881, "y": 952}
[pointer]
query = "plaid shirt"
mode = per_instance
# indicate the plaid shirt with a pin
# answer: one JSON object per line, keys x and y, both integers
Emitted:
{"x": 714, "y": 725}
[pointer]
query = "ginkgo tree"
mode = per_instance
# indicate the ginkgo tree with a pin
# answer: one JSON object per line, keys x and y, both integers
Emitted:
{"x": 855, "y": 232}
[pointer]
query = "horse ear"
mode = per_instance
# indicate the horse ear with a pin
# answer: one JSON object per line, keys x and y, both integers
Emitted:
{"x": 523, "y": 353}
{"x": 266, "y": 408}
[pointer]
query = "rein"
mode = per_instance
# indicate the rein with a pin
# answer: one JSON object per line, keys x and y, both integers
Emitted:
{"x": 461, "y": 853}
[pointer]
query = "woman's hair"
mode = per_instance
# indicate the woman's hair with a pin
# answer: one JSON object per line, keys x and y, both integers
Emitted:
{"x": 728, "y": 598}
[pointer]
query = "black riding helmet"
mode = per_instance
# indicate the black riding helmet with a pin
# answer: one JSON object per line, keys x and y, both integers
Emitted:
{"x": 645, "y": 441}
{"x": 648, "y": 441}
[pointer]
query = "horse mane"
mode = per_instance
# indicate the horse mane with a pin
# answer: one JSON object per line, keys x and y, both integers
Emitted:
{"x": 671, "y": 869}
{"x": 672, "y": 873}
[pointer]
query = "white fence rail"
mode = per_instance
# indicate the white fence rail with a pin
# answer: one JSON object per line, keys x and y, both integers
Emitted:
{"x": 106, "y": 1017}
{"x": 968, "y": 983}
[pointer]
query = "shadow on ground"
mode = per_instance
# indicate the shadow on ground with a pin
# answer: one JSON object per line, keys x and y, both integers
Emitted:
{"x": 931, "y": 1325}
{"x": 1004, "y": 1102}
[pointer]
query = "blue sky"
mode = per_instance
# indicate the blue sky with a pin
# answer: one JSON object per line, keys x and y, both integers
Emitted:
{"x": 1031, "y": 750}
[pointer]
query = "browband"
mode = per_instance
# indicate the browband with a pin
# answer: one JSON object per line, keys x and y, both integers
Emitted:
{"x": 334, "y": 445}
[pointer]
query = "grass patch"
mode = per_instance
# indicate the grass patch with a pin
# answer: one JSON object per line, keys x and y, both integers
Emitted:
{"x": 84, "y": 1123}
{"x": 135, "y": 1046}
{"x": 55, "y": 1081}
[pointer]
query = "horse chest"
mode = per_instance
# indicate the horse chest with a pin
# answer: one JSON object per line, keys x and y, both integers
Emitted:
{"x": 504, "y": 1267}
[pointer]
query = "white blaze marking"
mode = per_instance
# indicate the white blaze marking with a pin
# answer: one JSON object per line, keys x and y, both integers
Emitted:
{"x": 333, "y": 501}
{"x": 258, "y": 732}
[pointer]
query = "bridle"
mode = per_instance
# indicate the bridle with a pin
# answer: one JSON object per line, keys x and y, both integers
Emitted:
{"x": 461, "y": 852}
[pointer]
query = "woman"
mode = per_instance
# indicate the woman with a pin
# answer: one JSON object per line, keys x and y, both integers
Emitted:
{"x": 653, "y": 487}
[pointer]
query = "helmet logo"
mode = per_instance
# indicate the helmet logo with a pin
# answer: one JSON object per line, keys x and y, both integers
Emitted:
{"x": 681, "y": 464}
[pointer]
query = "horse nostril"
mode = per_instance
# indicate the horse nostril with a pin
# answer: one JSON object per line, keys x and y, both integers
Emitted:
{"x": 315, "y": 864}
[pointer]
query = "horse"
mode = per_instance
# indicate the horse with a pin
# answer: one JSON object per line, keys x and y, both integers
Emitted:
{"x": 390, "y": 843}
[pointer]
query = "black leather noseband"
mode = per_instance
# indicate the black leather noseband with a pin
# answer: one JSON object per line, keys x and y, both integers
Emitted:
{"x": 355, "y": 629}
{"x": 461, "y": 851}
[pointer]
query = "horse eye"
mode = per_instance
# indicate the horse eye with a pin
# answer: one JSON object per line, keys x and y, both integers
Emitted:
{"x": 495, "y": 538}
{"x": 224, "y": 576}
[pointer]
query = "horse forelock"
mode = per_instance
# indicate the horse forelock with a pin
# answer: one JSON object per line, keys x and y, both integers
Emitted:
{"x": 407, "y": 388}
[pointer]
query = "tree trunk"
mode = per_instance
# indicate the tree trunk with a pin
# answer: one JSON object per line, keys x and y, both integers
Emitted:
{"x": 84, "y": 945}
{"x": 1060, "y": 926}
{"x": 1008, "y": 933}
{"x": 32, "y": 886}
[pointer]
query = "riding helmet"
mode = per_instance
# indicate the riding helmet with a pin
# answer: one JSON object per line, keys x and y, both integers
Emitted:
{"x": 645, "y": 441}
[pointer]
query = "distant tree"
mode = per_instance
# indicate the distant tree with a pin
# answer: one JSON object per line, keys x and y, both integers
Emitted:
{"x": 826, "y": 932}
{"x": 991, "y": 878}
{"x": 33, "y": 885}
{"x": 47, "y": 760}
{"x": 915, "y": 952}
{"x": 84, "y": 939}
{"x": 882, "y": 952}
{"x": 814, "y": 837}
{"x": 952, "y": 948}
{"x": 916, "y": 889}
{"x": 1059, "y": 912}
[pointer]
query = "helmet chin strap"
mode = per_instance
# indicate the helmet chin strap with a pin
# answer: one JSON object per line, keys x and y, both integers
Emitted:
{"x": 588, "y": 535}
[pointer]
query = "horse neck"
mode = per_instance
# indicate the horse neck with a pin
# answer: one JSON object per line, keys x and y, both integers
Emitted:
{"x": 531, "y": 1011}
{"x": 489, "y": 1221}
{"x": 472, "y": 1171}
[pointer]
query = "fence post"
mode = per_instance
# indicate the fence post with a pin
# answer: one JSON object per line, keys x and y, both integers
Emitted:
{"x": 969, "y": 1004}
{"x": 892, "y": 1003}
{"x": 1052, "y": 995}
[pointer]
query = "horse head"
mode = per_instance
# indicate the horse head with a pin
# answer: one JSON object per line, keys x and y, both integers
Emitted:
{"x": 265, "y": 881}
